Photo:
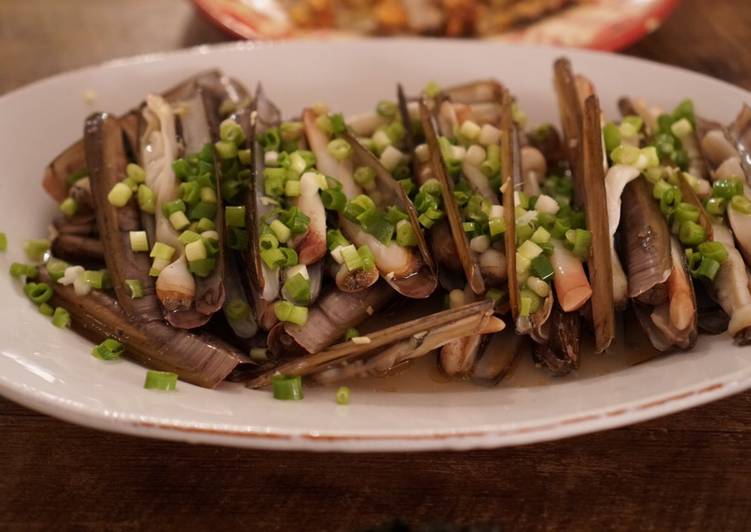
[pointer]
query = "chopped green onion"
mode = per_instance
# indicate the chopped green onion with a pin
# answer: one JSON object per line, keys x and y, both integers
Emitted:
{"x": 541, "y": 268}
{"x": 273, "y": 257}
{"x": 281, "y": 231}
{"x": 496, "y": 226}
{"x": 268, "y": 241}
{"x": 162, "y": 251}
{"x": 110, "y": 349}
{"x": 727, "y": 188}
{"x": 335, "y": 238}
{"x": 339, "y": 149}
{"x": 333, "y": 199}
{"x": 375, "y": 223}
{"x": 190, "y": 192}
{"x": 540, "y": 236}
{"x": 529, "y": 302}
{"x": 94, "y": 279}
{"x": 135, "y": 287}
{"x": 244, "y": 156}
{"x": 18, "y": 270}
{"x": 157, "y": 266}
{"x": 741, "y": 204}
{"x": 407, "y": 185}
{"x": 56, "y": 268}
{"x": 287, "y": 388}
{"x": 202, "y": 267}
{"x": 351, "y": 333}
{"x": 68, "y": 207}
{"x": 35, "y": 249}
{"x": 178, "y": 220}
{"x": 46, "y": 309}
{"x": 292, "y": 189}
{"x": 286, "y": 311}
{"x": 204, "y": 224}
{"x": 368, "y": 261}
{"x": 364, "y": 176}
{"x": 492, "y": 164}
{"x": 716, "y": 206}
{"x": 146, "y": 199}
{"x": 337, "y": 124}
{"x": 351, "y": 257}
{"x": 523, "y": 233}
{"x": 342, "y": 395}
{"x": 405, "y": 234}
{"x": 714, "y": 250}
{"x": 297, "y": 289}
{"x": 625, "y": 154}
{"x": 61, "y": 318}
{"x": 259, "y": 354}
{"x": 171, "y": 207}
{"x": 186, "y": 237}
{"x": 119, "y": 195}
{"x": 160, "y": 380}
{"x": 135, "y": 172}
{"x": 395, "y": 131}
{"x": 195, "y": 250}
{"x": 231, "y": 131}
{"x": 203, "y": 210}
{"x": 579, "y": 240}
{"x": 707, "y": 269}
{"x": 290, "y": 257}
{"x": 234, "y": 216}
{"x": 38, "y": 293}
{"x": 208, "y": 195}
{"x": 226, "y": 149}
{"x": 237, "y": 310}
{"x": 139, "y": 241}
{"x": 612, "y": 137}
{"x": 296, "y": 220}
{"x": 386, "y": 109}
{"x": 691, "y": 234}
{"x": 686, "y": 212}
{"x": 3, "y": 242}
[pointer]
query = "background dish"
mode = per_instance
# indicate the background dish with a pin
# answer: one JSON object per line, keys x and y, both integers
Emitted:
{"x": 50, "y": 370}
{"x": 600, "y": 24}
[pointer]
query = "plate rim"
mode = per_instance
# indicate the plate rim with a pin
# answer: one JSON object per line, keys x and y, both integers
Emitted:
{"x": 671, "y": 401}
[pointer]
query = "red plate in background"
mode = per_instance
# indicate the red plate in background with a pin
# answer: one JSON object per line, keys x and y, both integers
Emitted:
{"x": 601, "y": 25}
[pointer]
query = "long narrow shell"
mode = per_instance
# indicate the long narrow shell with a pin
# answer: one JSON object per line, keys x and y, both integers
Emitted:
{"x": 422, "y": 280}
{"x": 595, "y": 203}
{"x": 477, "y": 313}
{"x": 468, "y": 260}
{"x": 106, "y": 161}
{"x": 510, "y": 175}
{"x": 200, "y": 360}
{"x": 570, "y": 108}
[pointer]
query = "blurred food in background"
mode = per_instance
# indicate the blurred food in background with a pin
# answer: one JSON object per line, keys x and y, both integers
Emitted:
{"x": 598, "y": 24}
{"x": 453, "y": 18}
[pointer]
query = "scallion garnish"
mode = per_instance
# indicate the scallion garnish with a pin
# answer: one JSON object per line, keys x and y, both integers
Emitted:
{"x": 287, "y": 388}
{"x": 109, "y": 349}
{"x": 61, "y": 318}
{"x": 160, "y": 380}
{"x": 38, "y": 293}
{"x": 342, "y": 395}
{"x": 35, "y": 249}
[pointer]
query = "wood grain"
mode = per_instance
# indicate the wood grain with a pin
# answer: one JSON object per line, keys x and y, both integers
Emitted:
{"x": 685, "y": 472}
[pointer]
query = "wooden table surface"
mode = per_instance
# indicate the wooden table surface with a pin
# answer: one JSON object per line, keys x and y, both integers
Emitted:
{"x": 686, "y": 471}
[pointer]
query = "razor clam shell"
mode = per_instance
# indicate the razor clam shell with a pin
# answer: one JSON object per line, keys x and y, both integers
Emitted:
{"x": 77, "y": 249}
{"x": 328, "y": 320}
{"x": 560, "y": 354}
{"x": 510, "y": 176}
{"x": 106, "y": 160}
{"x": 73, "y": 158}
{"x": 201, "y": 360}
{"x": 423, "y": 280}
{"x": 466, "y": 256}
{"x": 646, "y": 244}
{"x": 595, "y": 203}
{"x": 570, "y": 110}
{"x": 467, "y": 319}
{"x": 739, "y": 133}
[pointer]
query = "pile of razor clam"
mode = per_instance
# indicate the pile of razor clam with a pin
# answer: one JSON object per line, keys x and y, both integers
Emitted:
{"x": 207, "y": 235}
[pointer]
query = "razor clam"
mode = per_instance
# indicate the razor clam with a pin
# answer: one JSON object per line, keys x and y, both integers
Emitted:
{"x": 77, "y": 248}
{"x": 263, "y": 281}
{"x": 419, "y": 278}
{"x": 106, "y": 160}
{"x": 600, "y": 258}
{"x": 560, "y": 353}
{"x": 395, "y": 344}
{"x": 731, "y": 288}
{"x": 467, "y": 257}
{"x": 410, "y": 271}
{"x": 646, "y": 244}
{"x": 201, "y": 360}
{"x": 569, "y": 104}
{"x": 726, "y": 162}
{"x": 328, "y": 320}
{"x": 70, "y": 165}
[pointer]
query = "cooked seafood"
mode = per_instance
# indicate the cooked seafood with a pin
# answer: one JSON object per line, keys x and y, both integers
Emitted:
{"x": 301, "y": 230}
